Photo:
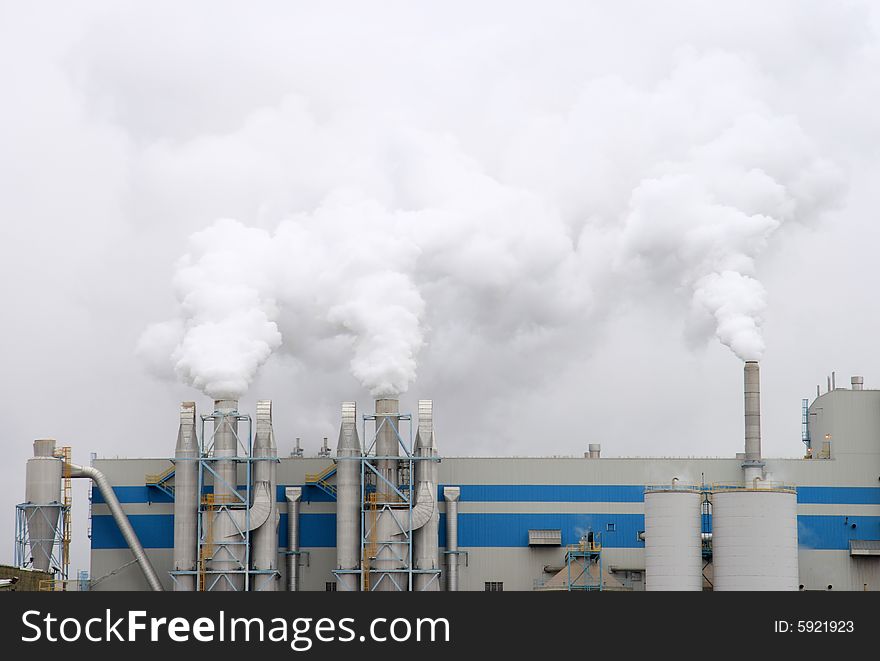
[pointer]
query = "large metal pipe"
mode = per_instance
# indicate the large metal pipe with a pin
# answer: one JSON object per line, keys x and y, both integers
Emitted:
{"x": 228, "y": 542}
{"x": 43, "y": 495}
{"x": 186, "y": 499}
{"x": 293, "y": 496}
{"x": 348, "y": 499}
{"x": 426, "y": 551}
{"x": 451, "y": 496}
{"x": 121, "y": 520}
{"x": 391, "y": 519}
{"x": 264, "y": 540}
{"x": 387, "y": 443}
{"x": 753, "y": 465}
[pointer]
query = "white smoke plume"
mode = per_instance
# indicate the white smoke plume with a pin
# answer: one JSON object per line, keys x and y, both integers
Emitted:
{"x": 417, "y": 238}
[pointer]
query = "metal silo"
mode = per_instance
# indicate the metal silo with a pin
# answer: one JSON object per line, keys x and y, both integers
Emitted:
{"x": 673, "y": 554}
{"x": 43, "y": 500}
{"x": 754, "y": 539}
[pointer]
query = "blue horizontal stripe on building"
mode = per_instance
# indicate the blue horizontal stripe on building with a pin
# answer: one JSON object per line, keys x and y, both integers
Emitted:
{"x": 530, "y": 493}
{"x": 820, "y": 532}
{"x": 145, "y": 494}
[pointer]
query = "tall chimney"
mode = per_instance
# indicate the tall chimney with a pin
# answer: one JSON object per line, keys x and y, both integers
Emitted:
{"x": 752, "y": 465}
{"x": 229, "y": 552}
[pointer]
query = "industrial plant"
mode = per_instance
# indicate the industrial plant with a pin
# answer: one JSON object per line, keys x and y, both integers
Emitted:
{"x": 389, "y": 512}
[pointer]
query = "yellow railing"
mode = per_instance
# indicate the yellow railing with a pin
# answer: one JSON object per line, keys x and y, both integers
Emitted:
{"x": 52, "y": 585}
{"x": 158, "y": 477}
{"x": 584, "y": 547}
{"x": 64, "y": 453}
{"x": 317, "y": 477}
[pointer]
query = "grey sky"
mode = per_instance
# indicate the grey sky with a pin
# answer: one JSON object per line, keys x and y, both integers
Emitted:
{"x": 127, "y": 127}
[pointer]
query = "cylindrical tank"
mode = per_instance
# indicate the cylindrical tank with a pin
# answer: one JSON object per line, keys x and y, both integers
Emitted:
{"x": 186, "y": 499}
{"x": 43, "y": 493}
{"x": 673, "y": 559}
{"x": 754, "y": 539}
{"x": 348, "y": 499}
{"x": 264, "y": 540}
{"x": 228, "y": 543}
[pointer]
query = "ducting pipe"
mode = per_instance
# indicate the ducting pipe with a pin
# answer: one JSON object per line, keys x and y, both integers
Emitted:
{"x": 121, "y": 520}
{"x": 264, "y": 540}
{"x": 451, "y": 496}
{"x": 186, "y": 499}
{"x": 293, "y": 496}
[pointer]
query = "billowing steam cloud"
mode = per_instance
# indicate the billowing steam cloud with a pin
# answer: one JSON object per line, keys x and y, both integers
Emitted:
{"x": 520, "y": 237}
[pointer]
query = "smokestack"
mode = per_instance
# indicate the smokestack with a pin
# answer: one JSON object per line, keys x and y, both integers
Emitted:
{"x": 264, "y": 540}
{"x": 186, "y": 499}
{"x": 388, "y": 520}
{"x": 858, "y": 382}
{"x": 752, "y": 465}
{"x": 229, "y": 552}
{"x": 833, "y": 381}
{"x": 387, "y": 443}
{"x": 348, "y": 499}
{"x": 426, "y": 549}
{"x": 827, "y": 384}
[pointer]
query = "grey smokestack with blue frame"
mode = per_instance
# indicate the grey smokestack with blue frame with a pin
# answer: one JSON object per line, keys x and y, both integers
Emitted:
{"x": 348, "y": 499}
{"x": 264, "y": 539}
{"x": 186, "y": 499}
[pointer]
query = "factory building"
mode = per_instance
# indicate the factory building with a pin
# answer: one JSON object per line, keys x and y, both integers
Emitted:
{"x": 388, "y": 511}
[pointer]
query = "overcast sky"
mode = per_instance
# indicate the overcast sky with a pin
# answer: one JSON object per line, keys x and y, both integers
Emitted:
{"x": 575, "y": 206}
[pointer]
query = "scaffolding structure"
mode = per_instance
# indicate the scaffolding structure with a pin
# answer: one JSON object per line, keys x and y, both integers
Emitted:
{"x": 392, "y": 502}
{"x": 580, "y": 558}
{"x": 237, "y": 549}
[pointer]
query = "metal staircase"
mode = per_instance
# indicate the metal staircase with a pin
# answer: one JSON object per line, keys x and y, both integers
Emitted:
{"x": 160, "y": 481}
{"x": 320, "y": 480}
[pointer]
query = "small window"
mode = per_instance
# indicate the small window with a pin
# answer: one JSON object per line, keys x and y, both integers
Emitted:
{"x": 494, "y": 586}
{"x": 330, "y": 586}
{"x": 610, "y": 527}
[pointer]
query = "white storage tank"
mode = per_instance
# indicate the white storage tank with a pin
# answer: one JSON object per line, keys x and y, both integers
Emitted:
{"x": 673, "y": 559}
{"x": 754, "y": 539}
